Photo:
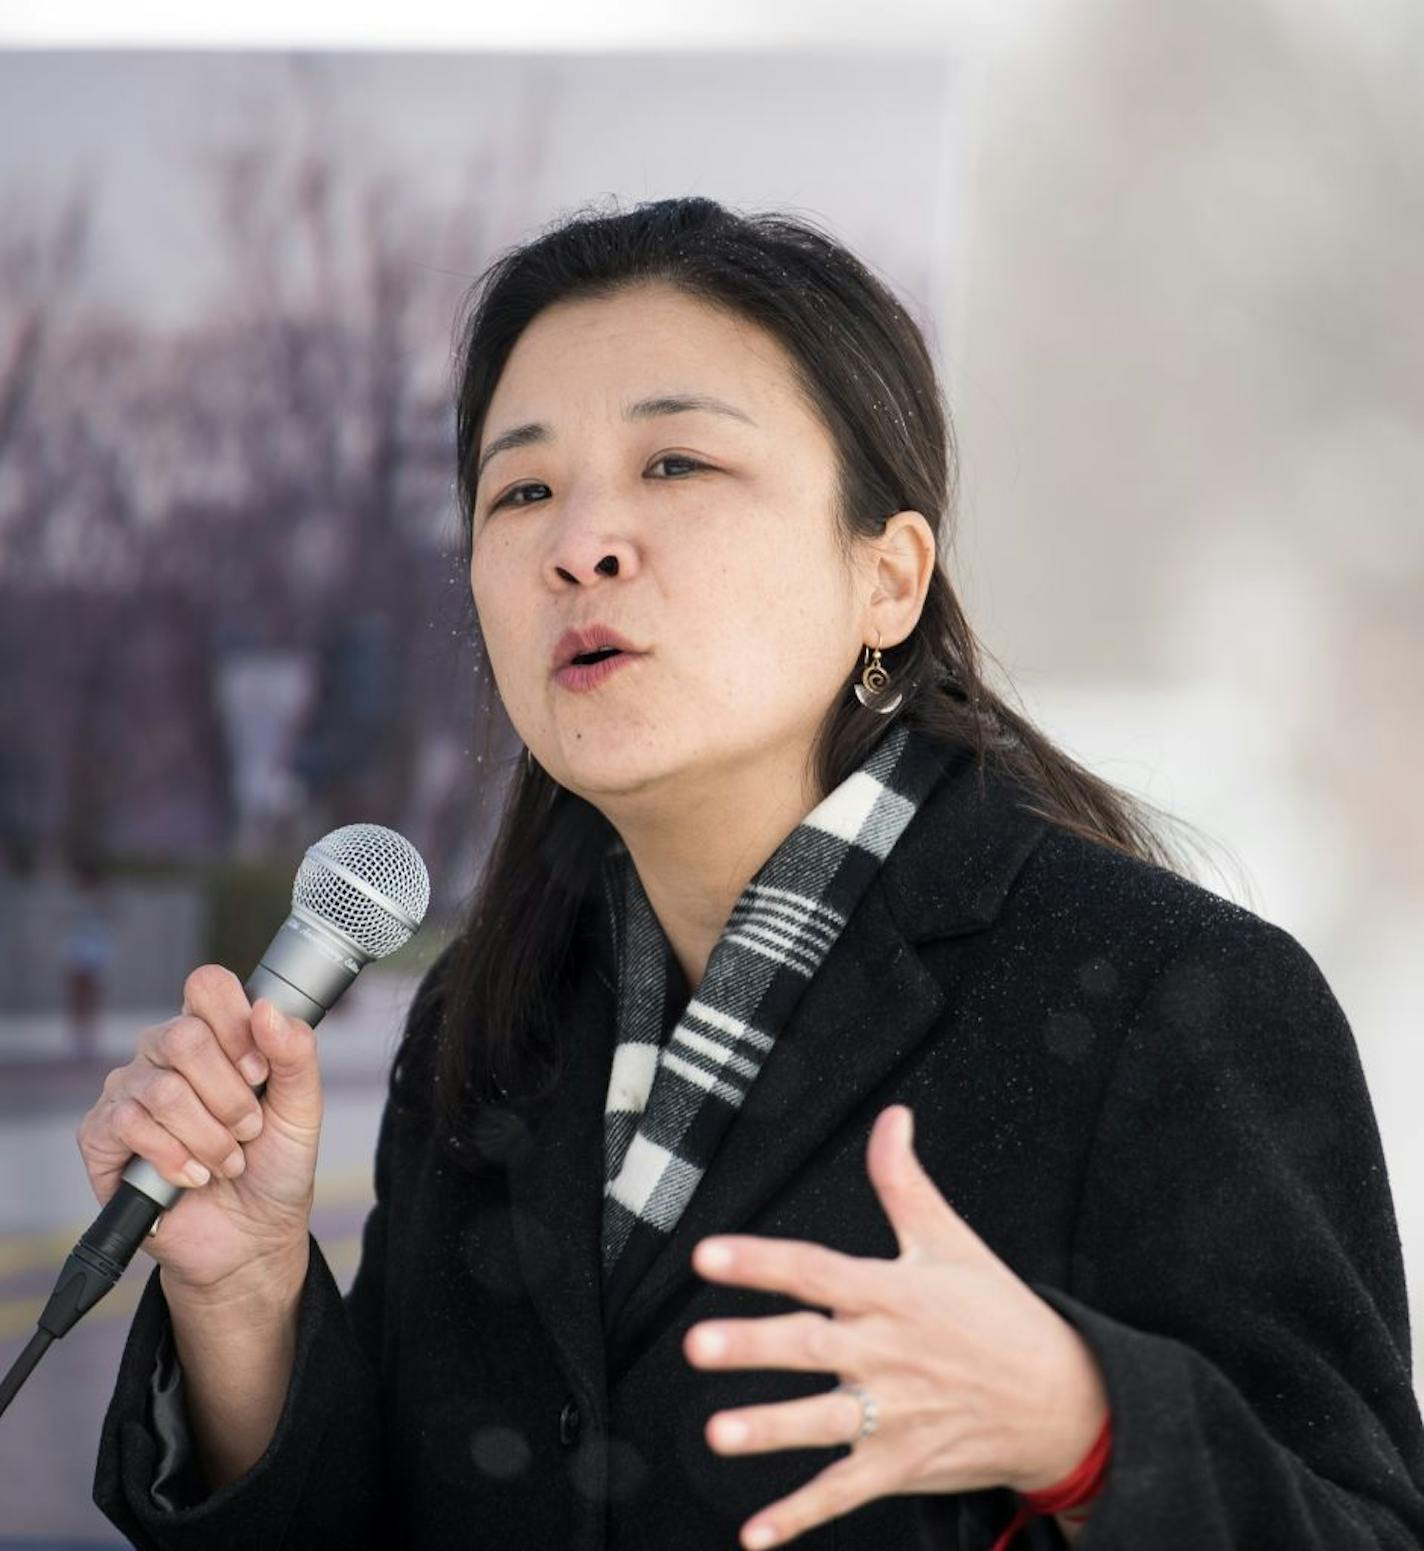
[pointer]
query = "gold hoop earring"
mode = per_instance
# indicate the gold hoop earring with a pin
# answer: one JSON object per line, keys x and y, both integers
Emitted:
{"x": 872, "y": 689}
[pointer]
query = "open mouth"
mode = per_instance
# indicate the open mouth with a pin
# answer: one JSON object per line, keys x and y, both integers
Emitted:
{"x": 585, "y": 658}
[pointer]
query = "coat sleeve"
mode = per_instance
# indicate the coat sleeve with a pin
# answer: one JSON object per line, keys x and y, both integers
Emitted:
{"x": 320, "y": 1480}
{"x": 1237, "y": 1270}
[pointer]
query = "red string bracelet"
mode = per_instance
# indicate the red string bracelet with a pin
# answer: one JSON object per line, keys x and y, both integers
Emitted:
{"x": 1079, "y": 1486}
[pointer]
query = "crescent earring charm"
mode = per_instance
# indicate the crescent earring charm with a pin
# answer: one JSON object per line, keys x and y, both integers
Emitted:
{"x": 871, "y": 691}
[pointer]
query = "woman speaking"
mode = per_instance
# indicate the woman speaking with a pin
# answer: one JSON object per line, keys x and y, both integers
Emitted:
{"x": 838, "y": 1119}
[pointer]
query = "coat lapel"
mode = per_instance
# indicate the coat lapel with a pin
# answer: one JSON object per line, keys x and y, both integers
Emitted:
{"x": 869, "y": 1005}
{"x": 556, "y": 1181}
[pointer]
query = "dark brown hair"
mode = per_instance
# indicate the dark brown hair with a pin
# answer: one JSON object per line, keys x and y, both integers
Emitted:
{"x": 864, "y": 367}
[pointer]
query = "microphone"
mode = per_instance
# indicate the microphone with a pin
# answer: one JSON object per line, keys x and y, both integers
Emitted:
{"x": 360, "y": 893}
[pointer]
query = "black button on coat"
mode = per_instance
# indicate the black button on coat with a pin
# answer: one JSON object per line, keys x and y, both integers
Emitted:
{"x": 1145, "y": 1099}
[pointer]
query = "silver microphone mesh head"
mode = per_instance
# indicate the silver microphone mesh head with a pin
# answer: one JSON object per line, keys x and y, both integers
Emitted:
{"x": 366, "y": 881}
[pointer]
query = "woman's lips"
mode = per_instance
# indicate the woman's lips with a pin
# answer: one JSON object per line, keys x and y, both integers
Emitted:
{"x": 590, "y": 675}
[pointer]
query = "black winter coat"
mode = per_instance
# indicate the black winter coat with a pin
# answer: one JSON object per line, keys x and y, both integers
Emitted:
{"x": 1145, "y": 1099}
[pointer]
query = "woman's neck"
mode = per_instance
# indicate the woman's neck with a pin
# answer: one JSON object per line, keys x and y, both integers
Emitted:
{"x": 695, "y": 865}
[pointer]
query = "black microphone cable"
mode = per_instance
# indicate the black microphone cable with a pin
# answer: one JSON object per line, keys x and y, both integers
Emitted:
{"x": 95, "y": 1263}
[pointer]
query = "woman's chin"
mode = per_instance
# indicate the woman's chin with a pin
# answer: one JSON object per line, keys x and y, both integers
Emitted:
{"x": 599, "y": 764}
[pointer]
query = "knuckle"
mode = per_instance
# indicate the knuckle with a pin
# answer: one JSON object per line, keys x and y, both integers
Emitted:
{"x": 814, "y": 1335}
{"x": 836, "y": 1491}
{"x": 815, "y": 1269}
{"x": 207, "y": 983}
{"x": 184, "y": 1038}
{"x": 126, "y": 1116}
{"x": 167, "y": 1090}
{"x": 795, "y": 1516}
{"x": 839, "y": 1496}
{"x": 151, "y": 1041}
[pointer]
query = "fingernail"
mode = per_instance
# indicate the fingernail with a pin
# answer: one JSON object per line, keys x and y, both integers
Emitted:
{"x": 234, "y": 1163}
{"x": 714, "y": 1255}
{"x": 247, "y": 1127}
{"x": 711, "y": 1343}
{"x": 253, "y": 1067}
{"x": 194, "y": 1171}
{"x": 731, "y": 1431}
{"x": 762, "y": 1535}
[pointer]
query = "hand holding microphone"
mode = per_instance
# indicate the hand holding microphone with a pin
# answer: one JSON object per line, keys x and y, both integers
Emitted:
{"x": 183, "y": 1103}
{"x": 360, "y": 893}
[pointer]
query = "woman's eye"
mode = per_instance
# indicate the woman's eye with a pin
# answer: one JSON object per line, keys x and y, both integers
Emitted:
{"x": 507, "y": 499}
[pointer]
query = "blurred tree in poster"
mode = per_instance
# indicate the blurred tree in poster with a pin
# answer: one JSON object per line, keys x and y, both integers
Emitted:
{"x": 274, "y": 479}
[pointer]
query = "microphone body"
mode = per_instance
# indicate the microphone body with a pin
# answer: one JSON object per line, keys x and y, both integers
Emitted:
{"x": 304, "y": 970}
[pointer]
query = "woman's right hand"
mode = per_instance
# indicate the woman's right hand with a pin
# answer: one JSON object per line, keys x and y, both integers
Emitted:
{"x": 182, "y": 1100}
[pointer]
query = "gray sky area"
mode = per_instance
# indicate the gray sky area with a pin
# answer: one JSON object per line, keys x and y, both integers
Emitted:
{"x": 867, "y": 141}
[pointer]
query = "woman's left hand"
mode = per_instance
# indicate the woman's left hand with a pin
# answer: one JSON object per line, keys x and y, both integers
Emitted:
{"x": 977, "y": 1381}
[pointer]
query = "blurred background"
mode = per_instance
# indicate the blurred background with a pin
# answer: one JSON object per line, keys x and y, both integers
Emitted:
{"x": 1169, "y": 261}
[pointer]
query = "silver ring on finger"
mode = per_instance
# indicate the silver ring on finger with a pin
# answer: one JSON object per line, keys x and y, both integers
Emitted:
{"x": 869, "y": 1410}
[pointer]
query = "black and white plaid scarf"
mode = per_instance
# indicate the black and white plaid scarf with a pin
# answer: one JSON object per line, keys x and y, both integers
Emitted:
{"x": 671, "y": 1099}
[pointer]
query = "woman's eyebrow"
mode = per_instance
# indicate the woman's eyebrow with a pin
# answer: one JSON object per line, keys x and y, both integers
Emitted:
{"x": 644, "y": 409}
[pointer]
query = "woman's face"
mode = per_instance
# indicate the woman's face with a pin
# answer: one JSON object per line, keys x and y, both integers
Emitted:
{"x": 728, "y": 578}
